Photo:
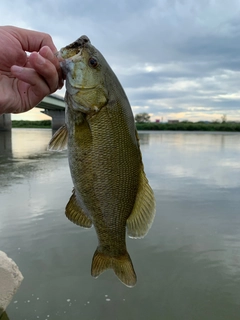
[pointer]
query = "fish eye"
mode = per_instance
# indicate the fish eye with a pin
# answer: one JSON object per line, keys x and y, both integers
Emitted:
{"x": 93, "y": 62}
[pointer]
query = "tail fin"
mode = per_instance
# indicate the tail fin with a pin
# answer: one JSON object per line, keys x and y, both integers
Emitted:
{"x": 121, "y": 265}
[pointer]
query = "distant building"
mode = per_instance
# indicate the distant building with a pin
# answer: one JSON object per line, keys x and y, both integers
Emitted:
{"x": 173, "y": 121}
{"x": 157, "y": 120}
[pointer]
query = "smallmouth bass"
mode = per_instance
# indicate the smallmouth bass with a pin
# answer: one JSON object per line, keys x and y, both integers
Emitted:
{"x": 111, "y": 191}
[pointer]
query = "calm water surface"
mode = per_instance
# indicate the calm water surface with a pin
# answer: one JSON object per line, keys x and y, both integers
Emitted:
{"x": 188, "y": 265}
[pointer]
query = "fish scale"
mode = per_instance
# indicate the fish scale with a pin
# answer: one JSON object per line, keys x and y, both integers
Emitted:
{"x": 111, "y": 191}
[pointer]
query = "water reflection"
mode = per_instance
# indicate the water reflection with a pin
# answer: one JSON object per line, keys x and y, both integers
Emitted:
{"x": 187, "y": 266}
{"x": 206, "y": 158}
{"x": 28, "y": 155}
{"x": 144, "y": 138}
{"x": 27, "y": 143}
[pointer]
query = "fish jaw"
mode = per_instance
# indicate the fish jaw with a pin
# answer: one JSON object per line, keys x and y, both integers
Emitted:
{"x": 73, "y": 54}
{"x": 66, "y": 66}
{"x": 75, "y": 47}
{"x": 74, "y": 74}
{"x": 84, "y": 79}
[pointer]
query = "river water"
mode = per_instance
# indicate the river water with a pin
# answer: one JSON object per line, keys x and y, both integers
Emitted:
{"x": 188, "y": 265}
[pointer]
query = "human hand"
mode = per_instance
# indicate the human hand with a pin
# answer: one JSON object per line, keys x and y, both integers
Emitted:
{"x": 26, "y": 79}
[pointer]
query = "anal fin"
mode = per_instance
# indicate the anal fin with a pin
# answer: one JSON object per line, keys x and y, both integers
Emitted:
{"x": 143, "y": 213}
{"x": 59, "y": 139}
{"x": 75, "y": 214}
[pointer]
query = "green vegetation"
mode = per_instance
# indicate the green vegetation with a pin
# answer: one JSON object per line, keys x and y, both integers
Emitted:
{"x": 31, "y": 124}
{"x": 142, "y": 117}
{"x": 190, "y": 126}
{"x": 183, "y": 126}
{"x": 143, "y": 123}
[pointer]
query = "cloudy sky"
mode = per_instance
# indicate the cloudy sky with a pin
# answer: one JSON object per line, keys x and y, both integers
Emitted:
{"x": 176, "y": 59}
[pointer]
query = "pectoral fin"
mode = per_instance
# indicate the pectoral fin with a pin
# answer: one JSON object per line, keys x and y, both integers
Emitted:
{"x": 141, "y": 218}
{"x": 59, "y": 139}
{"x": 75, "y": 214}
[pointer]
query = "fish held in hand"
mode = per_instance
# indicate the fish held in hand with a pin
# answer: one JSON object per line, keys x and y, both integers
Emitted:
{"x": 111, "y": 191}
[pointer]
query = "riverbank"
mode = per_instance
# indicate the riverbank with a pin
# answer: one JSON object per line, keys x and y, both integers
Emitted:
{"x": 190, "y": 126}
{"x": 31, "y": 124}
{"x": 181, "y": 126}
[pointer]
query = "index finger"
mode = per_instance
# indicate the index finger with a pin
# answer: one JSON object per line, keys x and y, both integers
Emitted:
{"x": 32, "y": 40}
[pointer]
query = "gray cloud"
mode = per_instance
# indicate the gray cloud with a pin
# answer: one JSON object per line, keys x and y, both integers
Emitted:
{"x": 174, "y": 57}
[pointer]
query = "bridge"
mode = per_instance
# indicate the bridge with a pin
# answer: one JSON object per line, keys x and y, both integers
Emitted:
{"x": 53, "y": 106}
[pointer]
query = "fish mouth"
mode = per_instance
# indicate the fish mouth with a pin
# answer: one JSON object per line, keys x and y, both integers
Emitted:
{"x": 64, "y": 54}
{"x": 64, "y": 67}
{"x": 58, "y": 55}
{"x": 81, "y": 42}
{"x": 66, "y": 61}
{"x": 72, "y": 52}
{"x": 74, "y": 49}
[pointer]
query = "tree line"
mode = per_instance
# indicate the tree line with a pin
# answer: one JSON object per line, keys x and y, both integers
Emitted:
{"x": 31, "y": 124}
{"x": 143, "y": 123}
{"x": 190, "y": 126}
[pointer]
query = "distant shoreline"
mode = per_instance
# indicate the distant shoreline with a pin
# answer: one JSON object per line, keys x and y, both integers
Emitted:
{"x": 31, "y": 124}
{"x": 190, "y": 126}
{"x": 179, "y": 126}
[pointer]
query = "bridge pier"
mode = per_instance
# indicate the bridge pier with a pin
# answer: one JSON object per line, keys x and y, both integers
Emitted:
{"x": 58, "y": 117}
{"x": 5, "y": 122}
{"x": 6, "y": 142}
{"x": 54, "y": 107}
